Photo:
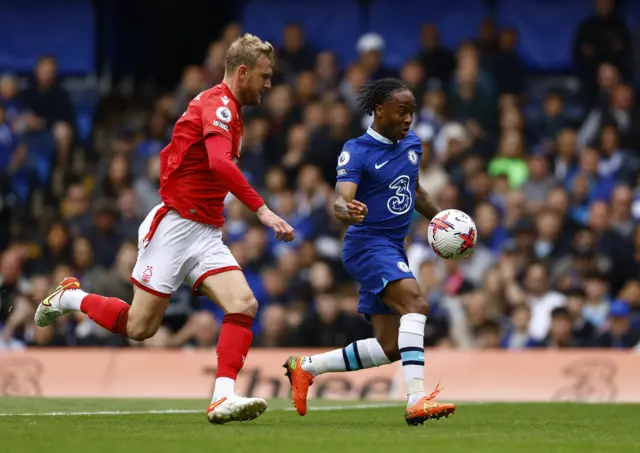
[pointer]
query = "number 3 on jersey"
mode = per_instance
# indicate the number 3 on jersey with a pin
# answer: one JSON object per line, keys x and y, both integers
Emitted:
{"x": 401, "y": 202}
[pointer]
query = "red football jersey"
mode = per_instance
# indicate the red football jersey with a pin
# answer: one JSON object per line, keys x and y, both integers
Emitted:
{"x": 187, "y": 183}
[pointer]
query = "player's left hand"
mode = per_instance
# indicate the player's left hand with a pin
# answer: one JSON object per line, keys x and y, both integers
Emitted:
{"x": 357, "y": 211}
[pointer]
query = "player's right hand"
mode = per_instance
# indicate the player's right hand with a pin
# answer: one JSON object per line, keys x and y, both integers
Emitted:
{"x": 356, "y": 211}
{"x": 284, "y": 231}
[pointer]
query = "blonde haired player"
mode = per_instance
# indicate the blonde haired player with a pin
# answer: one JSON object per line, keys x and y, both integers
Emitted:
{"x": 180, "y": 240}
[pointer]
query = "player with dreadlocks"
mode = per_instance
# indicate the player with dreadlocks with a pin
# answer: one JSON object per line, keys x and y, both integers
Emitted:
{"x": 377, "y": 192}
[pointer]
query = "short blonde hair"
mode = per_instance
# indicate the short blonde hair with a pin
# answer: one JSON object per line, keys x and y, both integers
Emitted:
{"x": 247, "y": 50}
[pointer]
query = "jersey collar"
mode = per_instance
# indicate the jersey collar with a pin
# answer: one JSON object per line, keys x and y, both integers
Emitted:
{"x": 228, "y": 92}
{"x": 379, "y": 137}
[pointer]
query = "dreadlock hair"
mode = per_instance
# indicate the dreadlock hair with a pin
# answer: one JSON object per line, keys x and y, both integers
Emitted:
{"x": 376, "y": 92}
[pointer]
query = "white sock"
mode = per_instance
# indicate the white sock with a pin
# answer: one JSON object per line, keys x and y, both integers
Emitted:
{"x": 411, "y": 345}
{"x": 357, "y": 356}
{"x": 71, "y": 299}
{"x": 224, "y": 387}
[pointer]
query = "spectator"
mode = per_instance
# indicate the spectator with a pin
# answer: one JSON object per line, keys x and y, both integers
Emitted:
{"x": 192, "y": 83}
{"x": 103, "y": 234}
{"x": 517, "y": 335}
{"x": 56, "y": 250}
{"x": 146, "y": 187}
{"x": 541, "y": 298}
{"x": 49, "y": 107}
{"x": 129, "y": 220}
{"x": 596, "y": 304}
{"x": 305, "y": 84}
{"x": 349, "y": 88}
{"x": 413, "y": 76}
{"x": 471, "y": 94}
{"x": 553, "y": 120}
{"x": 296, "y": 55}
{"x": 612, "y": 244}
{"x": 327, "y": 325}
{"x": 584, "y": 332}
{"x": 437, "y": 61}
{"x": 621, "y": 220}
{"x": 536, "y": 188}
{"x": 370, "y": 48}
{"x": 275, "y": 332}
{"x": 9, "y": 97}
{"x": 510, "y": 159}
{"x": 616, "y": 163}
{"x": 551, "y": 241}
{"x": 603, "y": 37}
{"x": 488, "y": 335}
{"x": 327, "y": 72}
{"x": 11, "y": 266}
{"x": 619, "y": 334}
{"x": 508, "y": 68}
{"x": 487, "y": 42}
{"x": 155, "y": 140}
{"x": 565, "y": 159}
{"x": 75, "y": 209}
{"x": 560, "y": 331}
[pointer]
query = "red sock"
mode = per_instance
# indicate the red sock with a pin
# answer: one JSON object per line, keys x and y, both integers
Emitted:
{"x": 108, "y": 312}
{"x": 233, "y": 344}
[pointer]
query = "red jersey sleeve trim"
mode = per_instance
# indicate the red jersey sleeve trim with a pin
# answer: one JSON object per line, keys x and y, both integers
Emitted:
{"x": 220, "y": 162}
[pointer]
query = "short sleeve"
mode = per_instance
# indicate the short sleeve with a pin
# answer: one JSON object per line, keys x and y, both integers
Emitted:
{"x": 350, "y": 166}
{"x": 216, "y": 117}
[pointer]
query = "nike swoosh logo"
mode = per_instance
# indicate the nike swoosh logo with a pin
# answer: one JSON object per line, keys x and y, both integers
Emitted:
{"x": 379, "y": 166}
{"x": 47, "y": 301}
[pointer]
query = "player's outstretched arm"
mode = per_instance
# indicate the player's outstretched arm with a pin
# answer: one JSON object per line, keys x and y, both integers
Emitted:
{"x": 425, "y": 204}
{"x": 219, "y": 153}
{"x": 346, "y": 208}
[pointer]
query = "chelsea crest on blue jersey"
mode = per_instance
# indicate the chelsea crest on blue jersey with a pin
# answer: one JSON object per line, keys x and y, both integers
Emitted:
{"x": 386, "y": 173}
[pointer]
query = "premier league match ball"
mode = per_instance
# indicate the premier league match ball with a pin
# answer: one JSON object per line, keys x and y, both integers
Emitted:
{"x": 452, "y": 234}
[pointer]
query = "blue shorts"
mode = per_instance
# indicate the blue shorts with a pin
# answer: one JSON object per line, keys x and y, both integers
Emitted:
{"x": 374, "y": 266}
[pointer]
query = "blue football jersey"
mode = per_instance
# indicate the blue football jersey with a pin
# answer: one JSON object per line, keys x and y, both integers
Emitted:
{"x": 387, "y": 177}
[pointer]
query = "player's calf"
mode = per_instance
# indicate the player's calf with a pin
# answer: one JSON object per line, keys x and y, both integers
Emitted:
{"x": 231, "y": 292}
{"x": 406, "y": 299}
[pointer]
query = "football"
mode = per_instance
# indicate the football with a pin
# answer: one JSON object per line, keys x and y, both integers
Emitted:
{"x": 452, "y": 234}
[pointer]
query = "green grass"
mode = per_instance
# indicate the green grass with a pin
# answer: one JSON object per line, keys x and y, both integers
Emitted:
{"x": 512, "y": 428}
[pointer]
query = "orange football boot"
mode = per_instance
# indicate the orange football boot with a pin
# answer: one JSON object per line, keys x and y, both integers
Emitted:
{"x": 300, "y": 381}
{"x": 427, "y": 409}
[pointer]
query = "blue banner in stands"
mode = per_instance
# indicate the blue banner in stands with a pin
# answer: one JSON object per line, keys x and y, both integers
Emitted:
{"x": 64, "y": 29}
{"x": 333, "y": 24}
{"x": 400, "y": 23}
{"x": 546, "y": 29}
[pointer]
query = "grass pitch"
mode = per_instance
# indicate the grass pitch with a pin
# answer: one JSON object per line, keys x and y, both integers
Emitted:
{"x": 174, "y": 426}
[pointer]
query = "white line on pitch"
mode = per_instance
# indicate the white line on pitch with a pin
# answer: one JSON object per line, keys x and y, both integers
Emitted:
{"x": 190, "y": 411}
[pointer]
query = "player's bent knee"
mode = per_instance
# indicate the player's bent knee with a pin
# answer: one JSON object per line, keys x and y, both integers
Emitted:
{"x": 416, "y": 304}
{"x": 145, "y": 316}
{"x": 247, "y": 305}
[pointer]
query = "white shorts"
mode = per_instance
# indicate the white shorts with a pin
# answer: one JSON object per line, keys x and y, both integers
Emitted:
{"x": 173, "y": 250}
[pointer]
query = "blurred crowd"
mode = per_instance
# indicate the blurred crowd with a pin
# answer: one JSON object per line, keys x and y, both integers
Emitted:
{"x": 552, "y": 183}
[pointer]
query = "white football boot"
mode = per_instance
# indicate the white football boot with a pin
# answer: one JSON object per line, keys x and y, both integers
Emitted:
{"x": 49, "y": 309}
{"x": 235, "y": 409}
